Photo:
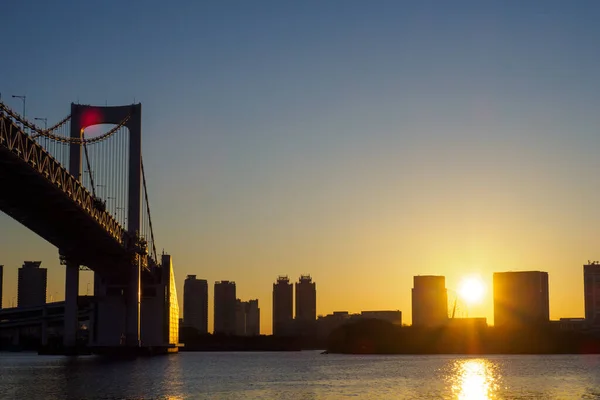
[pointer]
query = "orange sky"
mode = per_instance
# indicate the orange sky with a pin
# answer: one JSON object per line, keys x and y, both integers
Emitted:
{"x": 363, "y": 273}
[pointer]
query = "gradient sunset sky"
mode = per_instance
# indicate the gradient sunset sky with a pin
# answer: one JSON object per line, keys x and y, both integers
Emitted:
{"x": 362, "y": 142}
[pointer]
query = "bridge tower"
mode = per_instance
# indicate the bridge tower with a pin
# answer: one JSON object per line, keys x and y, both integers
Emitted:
{"x": 83, "y": 116}
{"x": 135, "y": 305}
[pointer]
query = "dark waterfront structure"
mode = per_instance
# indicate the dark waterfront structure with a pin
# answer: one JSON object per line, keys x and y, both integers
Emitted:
{"x": 225, "y": 303}
{"x": 429, "y": 300}
{"x": 591, "y": 288}
{"x": 283, "y": 306}
{"x": 195, "y": 303}
{"x": 392, "y": 316}
{"x": 32, "y": 283}
{"x": 521, "y": 299}
{"x": 41, "y": 327}
{"x": 328, "y": 323}
{"x": 471, "y": 336}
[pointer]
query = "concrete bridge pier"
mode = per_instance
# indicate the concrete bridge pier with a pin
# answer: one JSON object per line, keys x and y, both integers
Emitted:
{"x": 125, "y": 323}
{"x": 71, "y": 294}
{"x": 133, "y": 305}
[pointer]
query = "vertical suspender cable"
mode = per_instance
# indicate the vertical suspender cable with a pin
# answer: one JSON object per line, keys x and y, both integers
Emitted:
{"x": 103, "y": 169}
{"x": 113, "y": 180}
{"x": 123, "y": 176}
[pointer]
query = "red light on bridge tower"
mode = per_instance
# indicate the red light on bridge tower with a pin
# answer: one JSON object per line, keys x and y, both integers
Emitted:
{"x": 91, "y": 116}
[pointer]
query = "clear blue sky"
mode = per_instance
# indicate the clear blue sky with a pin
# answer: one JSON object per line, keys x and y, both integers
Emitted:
{"x": 363, "y": 142}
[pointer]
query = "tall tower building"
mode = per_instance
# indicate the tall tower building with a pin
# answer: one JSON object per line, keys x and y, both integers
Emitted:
{"x": 195, "y": 303}
{"x": 591, "y": 289}
{"x": 521, "y": 298}
{"x": 1, "y": 273}
{"x": 306, "y": 307}
{"x": 306, "y": 299}
{"x": 283, "y": 306}
{"x": 429, "y": 301}
{"x": 240, "y": 317}
{"x": 247, "y": 318}
{"x": 225, "y": 301}
{"x": 31, "y": 290}
{"x": 252, "y": 318}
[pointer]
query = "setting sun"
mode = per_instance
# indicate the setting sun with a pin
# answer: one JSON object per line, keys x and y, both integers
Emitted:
{"x": 471, "y": 289}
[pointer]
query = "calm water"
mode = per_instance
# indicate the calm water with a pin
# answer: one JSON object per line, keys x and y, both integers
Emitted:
{"x": 302, "y": 375}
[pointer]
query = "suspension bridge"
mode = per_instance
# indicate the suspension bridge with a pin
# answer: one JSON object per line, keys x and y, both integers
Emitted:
{"x": 88, "y": 197}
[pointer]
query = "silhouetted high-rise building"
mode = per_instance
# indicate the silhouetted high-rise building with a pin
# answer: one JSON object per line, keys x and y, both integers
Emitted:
{"x": 429, "y": 300}
{"x": 252, "y": 318}
{"x": 240, "y": 317}
{"x": 247, "y": 318}
{"x": 306, "y": 299}
{"x": 283, "y": 306}
{"x": 591, "y": 289}
{"x": 225, "y": 301}
{"x": 1, "y": 272}
{"x": 306, "y": 306}
{"x": 32, "y": 282}
{"x": 195, "y": 303}
{"x": 521, "y": 298}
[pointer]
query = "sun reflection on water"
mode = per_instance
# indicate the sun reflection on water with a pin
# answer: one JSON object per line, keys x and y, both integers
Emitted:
{"x": 474, "y": 379}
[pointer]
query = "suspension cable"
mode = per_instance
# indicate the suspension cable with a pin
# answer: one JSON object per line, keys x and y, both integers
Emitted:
{"x": 63, "y": 139}
{"x": 52, "y": 128}
{"x": 148, "y": 208}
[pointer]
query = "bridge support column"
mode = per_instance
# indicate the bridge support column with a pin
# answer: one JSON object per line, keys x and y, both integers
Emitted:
{"x": 134, "y": 297}
{"x": 71, "y": 293}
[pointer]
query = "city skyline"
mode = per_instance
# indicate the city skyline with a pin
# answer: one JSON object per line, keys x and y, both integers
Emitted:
{"x": 365, "y": 143}
{"x": 521, "y": 297}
